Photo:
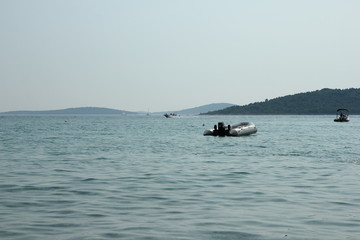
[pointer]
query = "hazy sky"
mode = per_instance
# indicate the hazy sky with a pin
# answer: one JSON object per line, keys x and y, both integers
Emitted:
{"x": 160, "y": 55}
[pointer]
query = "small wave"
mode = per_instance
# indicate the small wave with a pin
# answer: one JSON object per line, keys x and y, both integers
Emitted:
{"x": 88, "y": 179}
{"x": 23, "y": 204}
{"x": 322, "y": 222}
{"x": 343, "y": 203}
{"x": 89, "y": 193}
{"x": 233, "y": 235}
{"x": 261, "y": 146}
{"x": 241, "y": 173}
{"x": 9, "y": 234}
{"x": 96, "y": 215}
{"x": 58, "y": 225}
{"x": 114, "y": 235}
{"x": 33, "y": 188}
{"x": 63, "y": 170}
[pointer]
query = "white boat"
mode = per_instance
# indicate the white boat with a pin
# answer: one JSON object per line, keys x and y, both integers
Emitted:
{"x": 342, "y": 115}
{"x": 243, "y": 129}
{"x": 240, "y": 129}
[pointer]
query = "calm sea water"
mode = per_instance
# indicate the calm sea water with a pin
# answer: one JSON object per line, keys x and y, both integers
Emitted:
{"x": 131, "y": 177}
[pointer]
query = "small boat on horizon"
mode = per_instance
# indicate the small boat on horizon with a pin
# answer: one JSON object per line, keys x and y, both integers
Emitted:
{"x": 171, "y": 115}
{"x": 342, "y": 115}
{"x": 236, "y": 130}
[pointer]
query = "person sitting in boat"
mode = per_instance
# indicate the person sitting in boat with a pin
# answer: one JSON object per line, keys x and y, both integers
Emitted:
{"x": 342, "y": 116}
{"x": 221, "y": 129}
{"x": 228, "y": 130}
{"x": 215, "y": 133}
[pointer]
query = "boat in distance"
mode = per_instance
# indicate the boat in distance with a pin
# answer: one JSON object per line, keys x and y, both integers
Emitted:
{"x": 171, "y": 115}
{"x": 236, "y": 130}
{"x": 342, "y": 115}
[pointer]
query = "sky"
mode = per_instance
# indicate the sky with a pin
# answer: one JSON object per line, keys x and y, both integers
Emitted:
{"x": 159, "y": 55}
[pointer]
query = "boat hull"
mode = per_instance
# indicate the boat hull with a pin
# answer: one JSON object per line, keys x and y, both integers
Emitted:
{"x": 236, "y": 132}
{"x": 209, "y": 132}
{"x": 341, "y": 120}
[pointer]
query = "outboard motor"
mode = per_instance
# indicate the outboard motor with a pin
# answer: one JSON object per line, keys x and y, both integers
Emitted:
{"x": 221, "y": 129}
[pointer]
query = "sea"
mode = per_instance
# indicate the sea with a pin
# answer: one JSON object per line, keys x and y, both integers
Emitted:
{"x": 100, "y": 177}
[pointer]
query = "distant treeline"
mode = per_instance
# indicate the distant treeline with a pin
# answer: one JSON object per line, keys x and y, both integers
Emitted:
{"x": 325, "y": 101}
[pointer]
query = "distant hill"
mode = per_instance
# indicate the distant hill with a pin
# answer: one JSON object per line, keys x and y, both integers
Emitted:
{"x": 97, "y": 110}
{"x": 324, "y": 101}
{"x": 200, "y": 109}
{"x": 204, "y": 108}
{"x": 80, "y": 110}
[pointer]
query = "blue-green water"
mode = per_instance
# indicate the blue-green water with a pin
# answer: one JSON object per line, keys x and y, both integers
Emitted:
{"x": 127, "y": 177}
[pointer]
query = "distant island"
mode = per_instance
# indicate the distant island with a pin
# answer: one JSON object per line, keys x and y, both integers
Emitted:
{"x": 80, "y": 110}
{"x": 324, "y": 101}
{"x": 109, "y": 111}
{"x": 201, "y": 109}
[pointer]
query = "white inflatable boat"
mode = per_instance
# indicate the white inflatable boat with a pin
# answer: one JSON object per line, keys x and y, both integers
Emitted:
{"x": 240, "y": 129}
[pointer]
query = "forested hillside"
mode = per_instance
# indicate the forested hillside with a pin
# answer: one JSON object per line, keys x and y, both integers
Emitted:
{"x": 324, "y": 101}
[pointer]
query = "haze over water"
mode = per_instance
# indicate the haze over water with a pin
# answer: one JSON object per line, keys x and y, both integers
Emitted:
{"x": 138, "y": 177}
